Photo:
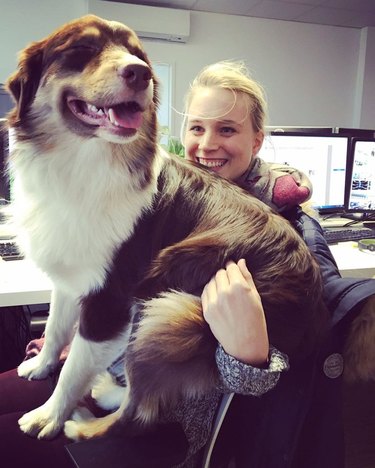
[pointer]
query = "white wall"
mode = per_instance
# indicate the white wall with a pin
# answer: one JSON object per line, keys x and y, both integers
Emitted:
{"x": 24, "y": 21}
{"x": 313, "y": 75}
{"x": 366, "y": 80}
{"x": 308, "y": 71}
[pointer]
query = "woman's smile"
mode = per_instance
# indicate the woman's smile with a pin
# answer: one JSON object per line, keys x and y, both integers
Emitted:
{"x": 212, "y": 163}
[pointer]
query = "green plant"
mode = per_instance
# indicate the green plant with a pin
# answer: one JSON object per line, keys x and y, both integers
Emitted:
{"x": 175, "y": 146}
{"x": 170, "y": 143}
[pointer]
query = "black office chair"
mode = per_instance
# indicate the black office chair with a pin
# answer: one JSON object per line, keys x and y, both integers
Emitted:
{"x": 162, "y": 447}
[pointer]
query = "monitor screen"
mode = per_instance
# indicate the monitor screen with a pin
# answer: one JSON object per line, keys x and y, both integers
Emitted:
{"x": 361, "y": 192}
{"x": 322, "y": 157}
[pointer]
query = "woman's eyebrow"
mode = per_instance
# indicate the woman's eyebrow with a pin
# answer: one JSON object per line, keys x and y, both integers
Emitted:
{"x": 219, "y": 121}
{"x": 229, "y": 122}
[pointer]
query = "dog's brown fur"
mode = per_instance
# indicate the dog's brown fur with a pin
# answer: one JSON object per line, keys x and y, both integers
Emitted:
{"x": 359, "y": 350}
{"x": 188, "y": 223}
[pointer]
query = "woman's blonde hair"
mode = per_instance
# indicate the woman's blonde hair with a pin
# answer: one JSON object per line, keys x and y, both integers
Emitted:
{"x": 234, "y": 76}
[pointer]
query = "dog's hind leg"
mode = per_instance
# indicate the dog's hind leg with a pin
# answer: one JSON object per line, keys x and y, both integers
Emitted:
{"x": 106, "y": 392}
{"x": 95, "y": 427}
{"x": 59, "y": 332}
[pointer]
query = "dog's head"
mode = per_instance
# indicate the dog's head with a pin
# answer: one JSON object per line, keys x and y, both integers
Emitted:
{"x": 91, "y": 77}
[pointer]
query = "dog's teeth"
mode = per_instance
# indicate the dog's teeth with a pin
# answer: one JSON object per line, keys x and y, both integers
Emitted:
{"x": 92, "y": 108}
{"x": 112, "y": 118}
{"x": 95, "y": 110}
{"x": 111, "y": 115}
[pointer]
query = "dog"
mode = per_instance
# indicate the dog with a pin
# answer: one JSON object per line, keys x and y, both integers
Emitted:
{"x": 130, "y": 235}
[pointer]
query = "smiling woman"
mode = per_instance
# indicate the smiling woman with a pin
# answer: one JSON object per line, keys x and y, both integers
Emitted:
{"x": 224, "y": 128}
{"x": 220, "y": 132}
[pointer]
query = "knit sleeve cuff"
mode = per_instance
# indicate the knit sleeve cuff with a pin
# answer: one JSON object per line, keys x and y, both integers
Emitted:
{"x": 238, "y": 377}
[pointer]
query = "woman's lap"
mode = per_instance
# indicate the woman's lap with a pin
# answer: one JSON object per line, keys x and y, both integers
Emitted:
{"x": 18, "y": 394}
{"x": 17, "y": 449}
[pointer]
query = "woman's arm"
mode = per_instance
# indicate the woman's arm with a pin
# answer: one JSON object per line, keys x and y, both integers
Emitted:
{"x": 237, "y": 377}
{"x": 341, "y": 295}
{"x": 233, "y": 309}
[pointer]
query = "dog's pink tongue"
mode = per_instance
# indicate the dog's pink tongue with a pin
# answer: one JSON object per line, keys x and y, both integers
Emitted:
{"x": 126, "y": 119}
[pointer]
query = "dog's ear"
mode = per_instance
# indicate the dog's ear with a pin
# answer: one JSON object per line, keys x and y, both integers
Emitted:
{"x": 23, "y": 84}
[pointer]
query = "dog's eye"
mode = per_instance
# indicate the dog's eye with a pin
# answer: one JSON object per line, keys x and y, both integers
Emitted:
{"x": 84, "y": 47}
{"x": 76, "y": 56}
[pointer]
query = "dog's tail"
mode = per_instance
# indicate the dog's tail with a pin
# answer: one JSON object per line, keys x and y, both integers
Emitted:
{"x": 172, "y": 353}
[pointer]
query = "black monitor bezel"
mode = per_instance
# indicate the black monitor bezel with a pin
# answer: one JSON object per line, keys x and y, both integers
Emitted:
{"x": 4, "y": 153}
{"x": 353, "y": 142}
{"x": 285, "y": 129}
{"x": 316, "y": 133}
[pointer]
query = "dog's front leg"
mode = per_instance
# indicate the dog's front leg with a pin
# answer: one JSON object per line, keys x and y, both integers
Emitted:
{"x": 85, "y": 360}
{"x": 59, "y": 332}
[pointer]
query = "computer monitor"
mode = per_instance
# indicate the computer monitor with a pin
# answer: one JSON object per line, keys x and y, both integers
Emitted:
{"x": 355, "y": 132}
{"x": 323, "y": 157}
{"x": 6, "y": 102}
{"x": 361, "y": 186}
{"x": 304, "y": 130}
{"x": 4, "y": 151}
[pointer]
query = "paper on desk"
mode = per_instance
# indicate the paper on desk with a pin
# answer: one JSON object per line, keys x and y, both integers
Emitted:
{"x": 7, "y": 231}
{"x": 349, "y": 257}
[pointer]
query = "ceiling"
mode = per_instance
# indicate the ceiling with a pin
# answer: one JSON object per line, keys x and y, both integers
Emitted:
{"x": 348, "y": 13}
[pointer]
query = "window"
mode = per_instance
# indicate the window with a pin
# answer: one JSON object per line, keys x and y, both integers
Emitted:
{"x": 164, "y": 71}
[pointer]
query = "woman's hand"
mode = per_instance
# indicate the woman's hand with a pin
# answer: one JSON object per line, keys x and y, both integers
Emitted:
{"x": 233, "y": 309}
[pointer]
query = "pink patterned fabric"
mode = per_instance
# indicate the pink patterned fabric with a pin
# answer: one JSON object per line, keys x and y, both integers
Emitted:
{"x": 279, "y": 186}
{"x": 35, "y": 346}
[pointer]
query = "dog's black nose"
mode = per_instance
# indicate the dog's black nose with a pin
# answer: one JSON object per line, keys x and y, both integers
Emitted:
{"x": 137, "y": 76}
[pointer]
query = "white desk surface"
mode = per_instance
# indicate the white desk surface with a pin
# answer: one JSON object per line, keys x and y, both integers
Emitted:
{"x": 21, "y": 283}
{"x": 353, "y": 262}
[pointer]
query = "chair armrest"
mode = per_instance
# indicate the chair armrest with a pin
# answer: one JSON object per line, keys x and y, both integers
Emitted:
{"x": 163, "y": 447}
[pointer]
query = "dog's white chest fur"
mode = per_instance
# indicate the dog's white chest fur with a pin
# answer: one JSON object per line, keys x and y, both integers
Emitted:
{"x": 74, "y": 206}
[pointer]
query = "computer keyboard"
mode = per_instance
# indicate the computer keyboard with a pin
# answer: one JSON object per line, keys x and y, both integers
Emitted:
{"x": 343, "y": 234}
{"x": 10, "y": 251}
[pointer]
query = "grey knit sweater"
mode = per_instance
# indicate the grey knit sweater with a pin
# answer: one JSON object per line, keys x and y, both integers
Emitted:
{"x": 196, "y": 415}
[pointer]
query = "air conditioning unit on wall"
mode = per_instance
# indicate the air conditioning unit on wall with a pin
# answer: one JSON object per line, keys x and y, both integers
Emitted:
{"x": 147, "y": 21}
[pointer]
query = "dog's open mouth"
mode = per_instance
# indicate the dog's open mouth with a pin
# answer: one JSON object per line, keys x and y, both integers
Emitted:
{"x": 124, "y": 116}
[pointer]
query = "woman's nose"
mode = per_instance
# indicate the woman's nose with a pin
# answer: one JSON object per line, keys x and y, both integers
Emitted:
{"x": 209, "y": 142}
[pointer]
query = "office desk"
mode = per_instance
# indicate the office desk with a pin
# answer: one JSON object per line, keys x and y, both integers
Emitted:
{"x": 352, "y": 262}
{"x": 21, "y": 283}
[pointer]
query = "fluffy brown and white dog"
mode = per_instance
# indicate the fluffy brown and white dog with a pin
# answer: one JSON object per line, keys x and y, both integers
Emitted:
{"x": 124, "y": 231}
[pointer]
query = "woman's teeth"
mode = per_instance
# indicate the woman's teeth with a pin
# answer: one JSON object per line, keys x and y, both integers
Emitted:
{"x": 211, "y": 162}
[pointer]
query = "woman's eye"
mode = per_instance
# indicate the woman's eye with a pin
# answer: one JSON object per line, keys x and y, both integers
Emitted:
{"x": 196, "y": 129}
{"x": 227, "y": 130}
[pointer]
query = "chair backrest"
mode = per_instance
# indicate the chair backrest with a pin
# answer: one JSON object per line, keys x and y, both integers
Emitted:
{"x": 220, "y": 415}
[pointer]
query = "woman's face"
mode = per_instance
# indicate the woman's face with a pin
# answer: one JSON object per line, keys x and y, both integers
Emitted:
{"x": 219, "y": 132}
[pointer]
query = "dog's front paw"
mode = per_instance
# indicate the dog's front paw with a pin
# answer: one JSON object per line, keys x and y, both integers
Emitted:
{"x": 106, "y": 392}
{"x": 34, "y": 369}
{"x": 41, "y": 423}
